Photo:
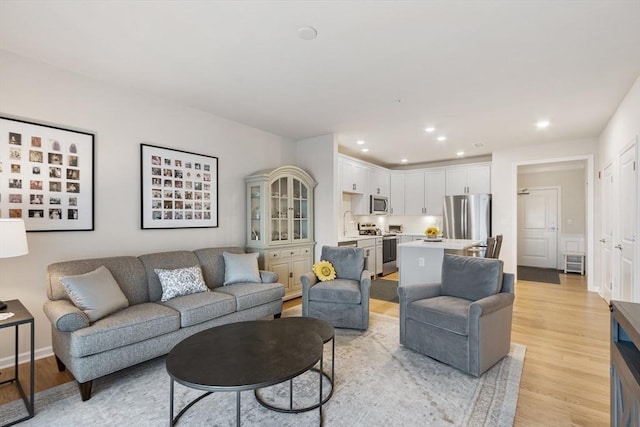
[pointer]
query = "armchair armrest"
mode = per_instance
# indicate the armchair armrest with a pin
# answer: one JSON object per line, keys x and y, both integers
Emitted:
{"x": 308, "y": 280}
{"x": 490, "y": 304}
{"x": 416, "y": 291}
{"x": 268, "y": 276}
{"x": 64, "y": 316}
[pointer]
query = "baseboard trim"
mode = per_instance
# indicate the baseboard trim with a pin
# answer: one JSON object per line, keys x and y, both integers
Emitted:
{"x": 40, "y": 353}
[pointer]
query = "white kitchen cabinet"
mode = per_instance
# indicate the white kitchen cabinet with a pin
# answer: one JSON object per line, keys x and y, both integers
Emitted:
{"x": 280, "y": 223}
{"x": 423, "y": 192}
{"x": 378, "y": 256}
{"x": 435, "y": 191}
{"x": 379, "y": 182}
{"x": 396, "y": 194}
{"x": 471, "y": 179}
{"x": 353, "y": 177}
{"x": 369, "y": 246}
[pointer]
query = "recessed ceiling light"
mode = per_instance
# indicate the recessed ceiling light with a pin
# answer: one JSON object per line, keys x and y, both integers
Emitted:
{"x": 429, "y": 129}
{"x": 360, "y": 142}
{"x": 460, "y": 153}
{"x": 364, "y": 150}
{"x": 542, "y": 124}
{"x": 307, "y": 33}
{"x": 404, "y": 160}
{"x": 442, "y": 138}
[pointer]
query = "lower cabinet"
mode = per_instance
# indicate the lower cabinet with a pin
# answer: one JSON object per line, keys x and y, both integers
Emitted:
{"x": 625, "y": 363}
{"x": 289, "y": 263}
{"x": 369, "y": 246}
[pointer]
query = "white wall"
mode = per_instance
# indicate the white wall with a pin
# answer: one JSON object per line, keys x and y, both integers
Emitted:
{"x": 122, "y": 119}
{"x": 504, "y": 186}
{"x": 318, "y": 156}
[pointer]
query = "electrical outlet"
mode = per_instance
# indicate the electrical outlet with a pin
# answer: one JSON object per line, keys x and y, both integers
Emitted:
{"x": 421, "y": 262}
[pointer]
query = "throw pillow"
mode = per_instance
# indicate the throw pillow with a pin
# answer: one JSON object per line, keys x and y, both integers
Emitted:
{"x": 324, "y": 271}
{"x": 181, "y": 281}
{"x": 96, "y": 293}
{"x": 241, "y": 268}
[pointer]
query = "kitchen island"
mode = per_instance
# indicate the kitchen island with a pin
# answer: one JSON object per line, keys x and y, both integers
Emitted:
{"x": 420, "y": 261}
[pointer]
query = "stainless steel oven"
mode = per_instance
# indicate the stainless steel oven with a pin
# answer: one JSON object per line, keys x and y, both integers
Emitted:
{"x": 389, "y": 254}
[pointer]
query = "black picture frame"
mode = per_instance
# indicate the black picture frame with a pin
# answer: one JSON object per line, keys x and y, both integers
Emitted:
{"x": 46, "y": 176}
{"x": 179, "y": 189}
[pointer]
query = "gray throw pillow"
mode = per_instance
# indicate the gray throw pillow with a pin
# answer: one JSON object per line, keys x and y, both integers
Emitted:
{"x": 241, "y": 268}
{"x": 181, "y": 281}
{"x": 96, "y": 293}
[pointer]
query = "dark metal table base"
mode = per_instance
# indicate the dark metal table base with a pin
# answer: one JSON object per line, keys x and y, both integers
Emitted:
{"x": 290, "y": 409}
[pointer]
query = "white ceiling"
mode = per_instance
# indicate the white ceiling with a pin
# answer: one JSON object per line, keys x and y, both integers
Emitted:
{"x": 380, "y": 71}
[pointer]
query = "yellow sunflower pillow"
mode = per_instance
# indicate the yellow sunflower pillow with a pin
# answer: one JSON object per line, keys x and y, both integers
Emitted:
{"x": 324, "y": 271}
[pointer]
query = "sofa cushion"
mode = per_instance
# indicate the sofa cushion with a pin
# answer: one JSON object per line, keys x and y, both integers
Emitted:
{"x": 241, "y": 268}
{"x": 180, "y": 281}
{"x": 471, "y": 278}
{"x": 339, "y": 290}
{"x": 348, "y": 262}
{"x": 198, "y": 308}
{"x": 212, "y": 263}
{"x": 166, "y": 261}
{"x": 133, "y": 324}
{"x": 445, "y": 312}
{"x": 96, "y": 293}
{"x": 249, "y": 295}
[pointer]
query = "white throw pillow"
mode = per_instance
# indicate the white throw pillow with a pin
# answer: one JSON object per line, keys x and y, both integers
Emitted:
{"x": 181, "y": 281}
{"x": 241, "y": 268}
{"x": 96, "y": 293}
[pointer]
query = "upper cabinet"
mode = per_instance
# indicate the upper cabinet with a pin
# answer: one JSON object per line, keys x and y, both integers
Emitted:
{"x": 396, "y": 194}
{"x": 471, "y": 179}
{"x": 279, "y": 207}
{"x": 423, "y": 192}
{"x": 353, "y": 177}
{"x": 379, "y": 182}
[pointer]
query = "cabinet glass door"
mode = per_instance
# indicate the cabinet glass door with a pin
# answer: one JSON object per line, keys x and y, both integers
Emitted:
{"x": 255, "y": 212}
{"x": 279, "y": 210}
{"x": 300, "y": 211}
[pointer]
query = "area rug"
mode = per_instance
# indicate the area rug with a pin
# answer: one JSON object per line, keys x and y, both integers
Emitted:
{"x": 378, "y": 383}
{"x": 383, "y": 289}
{"x": 541, "y": 275}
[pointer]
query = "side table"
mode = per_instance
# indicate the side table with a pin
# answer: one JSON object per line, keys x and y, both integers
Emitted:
{"x": 21, "y": 317}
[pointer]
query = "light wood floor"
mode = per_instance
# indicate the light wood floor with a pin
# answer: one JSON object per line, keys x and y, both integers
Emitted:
{"x": 565, "y": 381}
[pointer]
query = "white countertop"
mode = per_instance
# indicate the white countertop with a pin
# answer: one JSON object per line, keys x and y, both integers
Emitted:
{"x": 444, "y": 244}
{"x": 351, "y": 239}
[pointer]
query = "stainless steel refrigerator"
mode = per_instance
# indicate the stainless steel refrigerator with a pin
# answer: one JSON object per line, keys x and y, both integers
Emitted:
{"x": 467, "y": 216}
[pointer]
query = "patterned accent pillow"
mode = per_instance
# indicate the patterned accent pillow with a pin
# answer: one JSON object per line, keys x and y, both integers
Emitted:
{"x": 181, "y": 281}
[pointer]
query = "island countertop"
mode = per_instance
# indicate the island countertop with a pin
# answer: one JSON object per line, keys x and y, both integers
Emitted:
{"x": 442, "y": 244}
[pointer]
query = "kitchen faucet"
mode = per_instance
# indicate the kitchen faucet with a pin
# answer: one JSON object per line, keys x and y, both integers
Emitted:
{"x": 344, "y": 222}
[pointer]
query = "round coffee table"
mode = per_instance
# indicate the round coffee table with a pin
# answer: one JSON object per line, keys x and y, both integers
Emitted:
{"x": 327, "y": 333}
{"x": 243, "y": 356}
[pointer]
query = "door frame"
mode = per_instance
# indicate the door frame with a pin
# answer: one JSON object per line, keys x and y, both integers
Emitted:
{"x": 558, "y": 220}
{"x": 589, "y": 208}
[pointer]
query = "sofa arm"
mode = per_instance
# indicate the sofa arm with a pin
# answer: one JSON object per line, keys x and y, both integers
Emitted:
{"x": 416, "y": 291}
{"x": 64, "y": 316}
{"x": 490, "y": 304}
{"x": 269, "y": 276}
{"x": 308, "y": 280}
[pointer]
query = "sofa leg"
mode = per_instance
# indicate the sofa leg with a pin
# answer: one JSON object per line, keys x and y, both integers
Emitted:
{"x": 277, "y": 315}
{"x": 85, "y": 390}
{"x": 61, "y": 366}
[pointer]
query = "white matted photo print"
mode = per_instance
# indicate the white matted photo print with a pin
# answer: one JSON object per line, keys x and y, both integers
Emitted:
{"x": 46, "y": 176}
{"x": 179, "y": 188}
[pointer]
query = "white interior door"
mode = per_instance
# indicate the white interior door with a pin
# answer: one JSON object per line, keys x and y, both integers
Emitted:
{"x": 538, "y": 228}
{"x": 607, "y": 233}
{"x": 628, "y": 216}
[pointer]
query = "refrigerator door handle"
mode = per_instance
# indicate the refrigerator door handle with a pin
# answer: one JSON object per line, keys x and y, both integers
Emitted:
{"x": 464, "y": 217}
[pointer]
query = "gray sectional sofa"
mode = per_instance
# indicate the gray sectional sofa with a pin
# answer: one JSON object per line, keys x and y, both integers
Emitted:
{"x": 148, "y": 328}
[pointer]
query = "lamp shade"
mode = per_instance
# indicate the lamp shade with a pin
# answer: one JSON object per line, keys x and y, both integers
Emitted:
{"x": 13, "y": 238}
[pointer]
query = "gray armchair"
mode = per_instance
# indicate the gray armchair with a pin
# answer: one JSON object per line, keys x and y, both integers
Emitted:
{"x": 465, "y": 321}
{"x": 343, "y": 302}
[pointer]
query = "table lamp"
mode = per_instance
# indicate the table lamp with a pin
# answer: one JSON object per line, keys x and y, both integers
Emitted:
{"x": 13, "y": 241}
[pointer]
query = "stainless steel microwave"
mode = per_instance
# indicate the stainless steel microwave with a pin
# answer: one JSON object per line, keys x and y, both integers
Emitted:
{"x": 378, "y": 205}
